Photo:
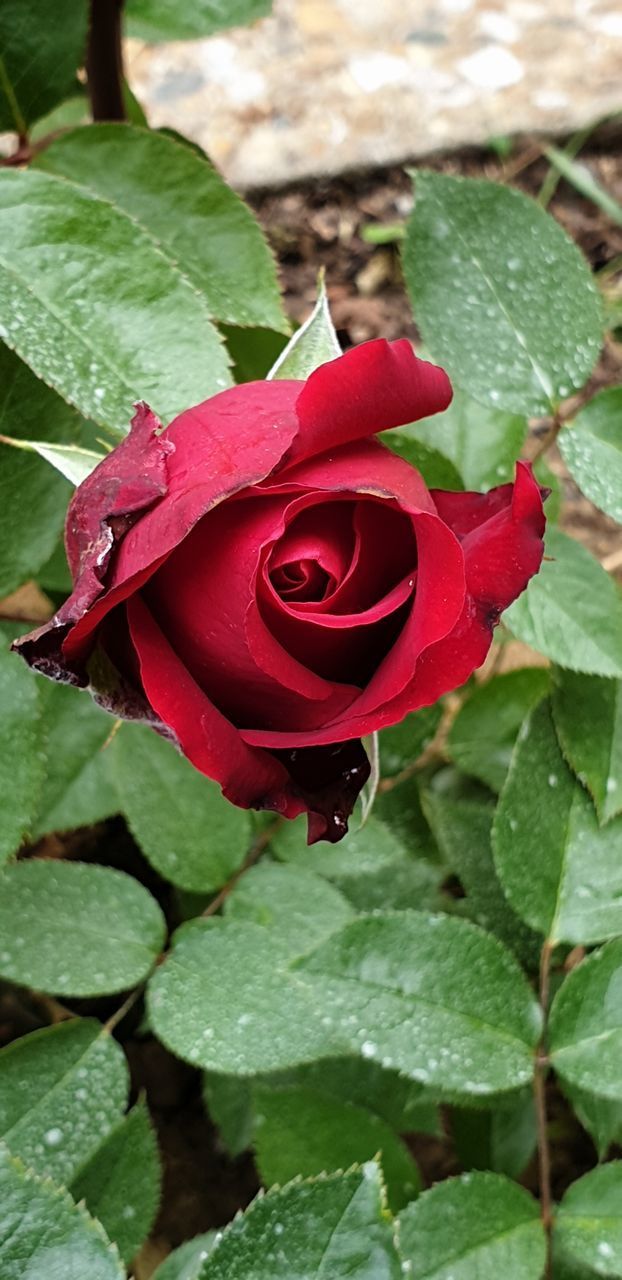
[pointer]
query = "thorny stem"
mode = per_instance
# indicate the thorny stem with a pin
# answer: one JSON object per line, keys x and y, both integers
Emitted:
{"x": 539, "y": 1088}
{"x": 104, "y": 60}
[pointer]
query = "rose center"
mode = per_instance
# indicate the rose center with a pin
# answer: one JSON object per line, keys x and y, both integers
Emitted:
{"x": 302, "y": 580}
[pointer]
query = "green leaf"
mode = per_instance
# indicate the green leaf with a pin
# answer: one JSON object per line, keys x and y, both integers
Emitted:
{"x": 477, "y": 1227}
{"x": 503, "y": 298}
{"x": 297, "y": 905}
{"x": 432, "y": 997}
{"x": 41, "y": 52}
{"x": 75, "y": 929}
{"x": 561, "y": 872}
{"x": 483, "y": 733}
{"x": 69, "y": 113}
{"x": 78, "y": 788}
{"x": 600, "y": 1117}
{"x": 299, "y": 1131}
{"x": 181, "y": 201}
{"x": 253, "y": 351}
{"x": 502, "y": 1140}
{"x": 32, "y": 501}
{"x": 586, "y": 1024}
{"x": 436, "y": 468}
{"x": 312, "y": 345}
{"x": 185, "y": 1262}
{"x": 571, "y": 611}
{"x": 166, "y": 20}
{"x": 333, "y": 1229}
{"x": 403, "y": 743}
{"x": 62, "y": 1091}
{"x": 73, "y": 462}
{"x": 400, "y": 1103}
{"x": 21, "y": 758}
{"x": 588, "y": 719}
{"x": 463, "y": 829}
{"x": 592, "y": 450}
{"x": 481, "y": 442}
{"x": 589, "y": 1220}
{"x": 43, "y": 1229}
{"x": 104, "y": 326}
{"x": 180, "y": 819}
{"x": 120, "y": 1185}
{"x": 374, "y": 866}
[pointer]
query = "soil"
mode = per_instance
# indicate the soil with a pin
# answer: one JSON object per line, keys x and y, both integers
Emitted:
{"x": 313, "y": 226}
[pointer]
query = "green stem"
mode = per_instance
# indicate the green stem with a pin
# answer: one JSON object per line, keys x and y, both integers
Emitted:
{"x": 539, "y": 1088}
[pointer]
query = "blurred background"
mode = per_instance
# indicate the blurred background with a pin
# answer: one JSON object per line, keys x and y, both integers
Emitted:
{"x": 323, "y": 86}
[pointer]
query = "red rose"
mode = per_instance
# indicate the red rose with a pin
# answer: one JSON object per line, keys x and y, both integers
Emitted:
{"x": 265, "y": 582}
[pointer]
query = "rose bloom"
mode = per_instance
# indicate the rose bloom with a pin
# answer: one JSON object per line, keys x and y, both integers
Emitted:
{"x": 265, "y": 582}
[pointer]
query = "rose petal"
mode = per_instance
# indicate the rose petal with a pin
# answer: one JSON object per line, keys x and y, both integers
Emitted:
{"x": 252, "y": 779}
{"x": 373, "y": 387}
{"x": 127, "y": 481}
{"x": 204, "y": 599}
{"x": 500, "y": 557}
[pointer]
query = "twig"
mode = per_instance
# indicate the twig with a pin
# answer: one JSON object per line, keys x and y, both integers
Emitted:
{"x": 549, "y": 437}
{"x": 253, "y": 856}
{"x": 539, "y": 1090}
{"x": 104, "y": 60}
{"x": 119, "y": 1014}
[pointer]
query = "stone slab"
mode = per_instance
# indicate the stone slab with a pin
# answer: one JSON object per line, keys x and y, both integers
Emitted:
{"x": 325, "y": 86}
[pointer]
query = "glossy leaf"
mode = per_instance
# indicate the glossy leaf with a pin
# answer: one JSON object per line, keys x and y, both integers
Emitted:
{"x": 185, "y": 1262}
{"x": 401, "y": 1104}
{"x": 571, "y": 611}
{"x": 107, "y": 326}
{"x": 588, "y": 719}
{"x": 586, "y": 1024}
{"x": 495, "y": 1230}
{"x": 32, "y": 500}
{"x": 433, "y": 997}
{"x": 483, "y": 733}
{"x": 78, "y": 787}
{"x": 73, "y": 462}
{"x": 177, "y": 196}
{"x": 591, "y": 447}
{"x": 297, "y": 905}
{"x": 74, "y": 929}
{"x": 21, "y": 758}
{"x": 312, "y": 345}
{"x": 180, "y": 819}
{"x": 335, "y": 1227}
{"x": 600, "y": 1117}
{"x": 503, "y": 298}
{"x": 502, "y": 1140}
{"x": 463, "y": 829}
{"x": 42, "y": 49}
{"x": 120, "y": 1185}
{"x": 481, "y": 442}
{"x": 299, "y": 1131}
{"x": 403, "y": 743}
{"x": 561, "y": 872}
{"x": 373, "y": 866}
{"x": 62, "y": 1091}
{"x": 436, "y": 468}
{"x": 42, "y": 1227}
{"x": 166, "y": 20}
{"x": 589, "y": 1220}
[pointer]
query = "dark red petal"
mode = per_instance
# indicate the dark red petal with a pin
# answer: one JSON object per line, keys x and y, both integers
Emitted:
{"x": 365, "y": 467}
{"x": 249, "y": 778}
{"x": 204, "y": 597}
{"x": 438, "y": 605}
{"x": 329, "y": 779}
{"x": 128, "y": 481}
{"x": 371, "y": 388}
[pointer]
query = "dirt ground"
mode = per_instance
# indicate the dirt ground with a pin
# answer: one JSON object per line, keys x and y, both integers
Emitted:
{"x": 313, "y": 226}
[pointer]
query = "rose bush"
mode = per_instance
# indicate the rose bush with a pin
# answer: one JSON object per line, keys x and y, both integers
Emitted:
{"x": 267, "y": 583}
